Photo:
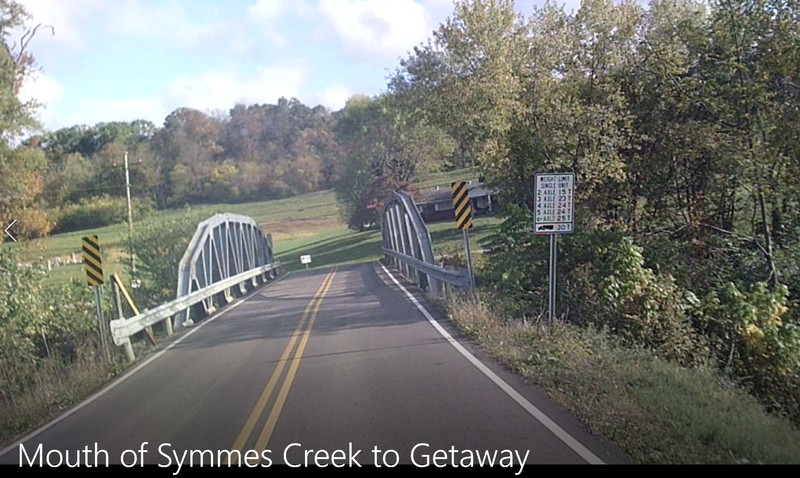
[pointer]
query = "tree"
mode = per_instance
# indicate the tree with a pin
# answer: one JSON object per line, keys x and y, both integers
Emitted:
{"x": 16, "y": 65}
{"x": 285, "y": 139}
{"x": 753, "y": 56}
{"x": 186, "y": 144}
{"x": 254, "y": 152}
{"x": 466, "y": 79}
{"x": 381, "y": 146}
{"x": 21, "y": 168}
{"x": 21, "y": 183}
{"x": 62, "y": 142}
{"x": 69, "y": 183}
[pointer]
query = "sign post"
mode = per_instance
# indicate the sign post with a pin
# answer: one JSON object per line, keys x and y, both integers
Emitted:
{"x": 305, "y": 259}
{"x": 463, "y": 212}
{"x": 93, "y": 264}
{"x": 554, "y": 215}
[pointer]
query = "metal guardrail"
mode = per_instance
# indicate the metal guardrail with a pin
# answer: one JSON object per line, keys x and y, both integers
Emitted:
{"x": 454, "y": 277}
{"x": 122, "y": 329}
{"x": 407, "y": 244}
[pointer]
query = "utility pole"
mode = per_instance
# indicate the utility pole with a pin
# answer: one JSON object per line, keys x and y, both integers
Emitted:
{"x": 130, "y": 213}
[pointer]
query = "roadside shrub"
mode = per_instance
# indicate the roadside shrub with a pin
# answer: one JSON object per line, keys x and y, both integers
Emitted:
{"x": 602, "y": 281}
{"x": 98, "y": 211}
{"x": 40, "y": 324}
{"x": 452, "y": 256}
{"x": 607, "y": 285}
{"x": 517, "y": 264}
{"x": 756, "y": 341}
{"x": 159, "y": 245}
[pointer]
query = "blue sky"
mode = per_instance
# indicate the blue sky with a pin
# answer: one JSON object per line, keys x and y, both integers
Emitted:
{"x": 127, "y": 59}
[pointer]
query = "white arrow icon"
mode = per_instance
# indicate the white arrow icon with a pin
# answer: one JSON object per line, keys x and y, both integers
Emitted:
{"x": 8, "y": 233}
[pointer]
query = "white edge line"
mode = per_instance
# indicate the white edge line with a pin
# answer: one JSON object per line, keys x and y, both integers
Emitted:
{"x": 539, "y": 415}
{"x": 126, "y": 376}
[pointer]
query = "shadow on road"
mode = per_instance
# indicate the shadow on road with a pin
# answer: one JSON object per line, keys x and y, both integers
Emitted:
{"x": 351, "y": 248}
{"x": 358, "y": 298}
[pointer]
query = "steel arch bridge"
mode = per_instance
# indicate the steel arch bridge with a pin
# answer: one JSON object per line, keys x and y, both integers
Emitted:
{"x": 223, "y": 246}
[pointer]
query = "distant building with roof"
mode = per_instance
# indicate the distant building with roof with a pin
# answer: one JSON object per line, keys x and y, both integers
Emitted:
{"x": 437, "y": 205}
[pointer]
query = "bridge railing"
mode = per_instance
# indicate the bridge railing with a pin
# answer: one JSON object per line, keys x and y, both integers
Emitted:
{"x": 227, "y": 253}
{"x": 407, "y": 245}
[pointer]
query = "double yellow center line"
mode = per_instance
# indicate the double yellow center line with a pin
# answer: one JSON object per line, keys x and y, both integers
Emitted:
{"x": 301, "y": 334}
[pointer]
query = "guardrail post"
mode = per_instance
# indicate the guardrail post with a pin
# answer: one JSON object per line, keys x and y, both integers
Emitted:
{"x": 128, "y": 347}
{"x": 443, "y": 284}
{"x": 168, "y": 326}
{"x": 118, "y": 303}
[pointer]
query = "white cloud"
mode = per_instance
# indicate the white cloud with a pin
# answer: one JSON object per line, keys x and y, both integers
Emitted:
{"x": 374, "y": 30}
{"x": 383, "y": 29}
{"x": 46, "y": 91}
{"x": 332, "y": 97}
{"x": 93, "y": 111}
{"x": 163, "y": 19}
{"x": 42, "y": 88}
{"x": 266, "y": 14}
{"x": 267, "y": 10}
{"x": 271, "y": 10}
{"x": 221, "y": 90}
{"x": 271, "y": 15}
{"x": 439, "y": 9}
{"x": 211, "y": 91}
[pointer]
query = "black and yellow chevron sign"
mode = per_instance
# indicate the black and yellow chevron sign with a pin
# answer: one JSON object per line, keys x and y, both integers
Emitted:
{"x": 92, "y": 261}
{"x": 463, "y": 208}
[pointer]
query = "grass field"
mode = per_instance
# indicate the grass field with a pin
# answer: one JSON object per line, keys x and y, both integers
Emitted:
{"x": 338, "y": 246}
{"x": 430, "y": 182}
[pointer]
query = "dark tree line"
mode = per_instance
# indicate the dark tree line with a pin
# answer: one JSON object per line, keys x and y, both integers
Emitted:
{"x": 255, "y": 152}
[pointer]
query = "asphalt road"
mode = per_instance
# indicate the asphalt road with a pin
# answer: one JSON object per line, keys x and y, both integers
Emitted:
{"x": 321, "y": 360}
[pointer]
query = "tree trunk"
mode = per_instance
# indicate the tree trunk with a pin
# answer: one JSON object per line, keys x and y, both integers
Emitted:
{"x": 773, "y": 272}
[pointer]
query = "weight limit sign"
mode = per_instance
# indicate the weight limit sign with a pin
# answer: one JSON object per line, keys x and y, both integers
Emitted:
{"x": 554, "y": 212}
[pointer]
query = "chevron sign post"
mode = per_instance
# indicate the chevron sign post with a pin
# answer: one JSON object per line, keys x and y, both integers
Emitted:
{"x": 463, "y": 212}
{"x": 93, "y": 264}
